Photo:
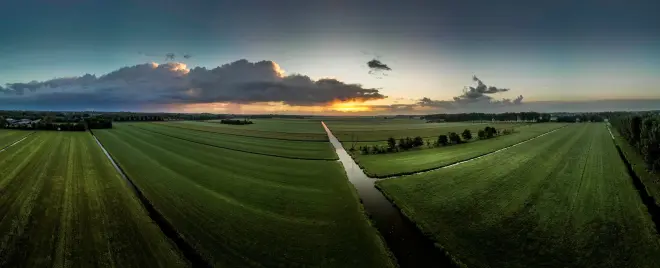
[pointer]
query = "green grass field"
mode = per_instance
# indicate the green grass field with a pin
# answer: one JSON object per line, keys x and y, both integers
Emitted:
{"x": 241, "y": 209}
{"x": 62, "y": 204}
{"x": 299, "y": 126}
{"x": 277, "y": 129}
{"x": 382, "y": 165}
{"x": 7, "y": 136}
{"x": 562, "y": 200}
{"x": 282, "y": 148}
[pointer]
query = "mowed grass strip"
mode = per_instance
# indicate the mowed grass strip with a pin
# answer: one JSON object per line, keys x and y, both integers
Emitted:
{"x": 62, "y": 204}
{"x": 563, "y": 200}
{"x": 402, "y": 163}
{"x": 286, "y": 131}
{"x": 650, "y": 180}
{"x": 239, "y": 209}
{"x": 282, "y": 148}
{"x": 8, "y": 136}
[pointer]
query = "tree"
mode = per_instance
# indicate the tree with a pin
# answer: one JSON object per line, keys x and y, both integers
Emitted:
{"x": 481, "y": 134}
{"x": 402, "y": 144}
{"x": 454, "y": 138}
{"x": 391, "y": 144}
{"x": 443, "y": 140}
{"x": 467, "y": 135}
{"x": 417, "y": 141}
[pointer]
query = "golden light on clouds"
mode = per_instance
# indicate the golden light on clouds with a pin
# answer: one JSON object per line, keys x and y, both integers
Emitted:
{"x": 278, "y": 70}
{"x": 349, "y": 106}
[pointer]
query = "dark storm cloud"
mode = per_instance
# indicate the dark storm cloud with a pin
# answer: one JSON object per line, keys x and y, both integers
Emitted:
{"x": 172, "y": 83}
{"x": 377, "y": 67}
{"x": 473, "y": 96}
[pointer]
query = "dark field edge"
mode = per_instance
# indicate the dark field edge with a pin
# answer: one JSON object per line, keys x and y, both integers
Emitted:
{"x": 369, "y": 220}
{"x": 648, "y": 200}
{"x": 240, "y": 135}
{"x": 451, "y": 258}
{"x": 237, "y": 150}
{"x": 188, "y": 251}
{"x": 16, "y": 141}
{"x": 394, "y": 175}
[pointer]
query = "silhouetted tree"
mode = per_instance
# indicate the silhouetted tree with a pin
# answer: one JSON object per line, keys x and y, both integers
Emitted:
{"x": 443, "y": 140}
{"x": 467, "y": 135}
{"x": 391, "y": 144}
{"x": 417, "y": 141}
{"x": 454, "y": 138}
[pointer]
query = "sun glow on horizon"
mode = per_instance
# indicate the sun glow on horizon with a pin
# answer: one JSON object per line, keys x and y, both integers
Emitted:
{"x": 349, "y": 106}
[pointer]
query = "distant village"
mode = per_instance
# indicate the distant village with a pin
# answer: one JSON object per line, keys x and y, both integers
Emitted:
{"x": 15, "y": 123}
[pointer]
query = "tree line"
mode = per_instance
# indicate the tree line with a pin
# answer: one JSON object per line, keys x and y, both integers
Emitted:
{"x": 524, "y": 116}
{"x": 451, "y": 138}
{"x": 236, "y": 122}
{"x": 642, "y": 131}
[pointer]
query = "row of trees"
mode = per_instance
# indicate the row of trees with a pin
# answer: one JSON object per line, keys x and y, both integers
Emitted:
{"x": 524, "y": 116}
{"x": 48, "y": 126}
{"x": 405, "y": 144}
{"x": 236, "y": 122}
{"x": 643, "y": 133}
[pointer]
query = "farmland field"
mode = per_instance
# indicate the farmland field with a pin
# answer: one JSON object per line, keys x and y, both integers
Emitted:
{"x": 382, "y": 165}
{"x": 62, "y": 204}
{"x": 281, "y": 148}
{"x": 7, "y": 137}
{"x": 277, "y": 129}
{"x": 562, "y": 200}
{"x": 242, "y": 209}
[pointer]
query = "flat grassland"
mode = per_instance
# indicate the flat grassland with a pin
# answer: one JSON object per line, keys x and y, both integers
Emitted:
{"x": 7, "y": 136}
{"x": 280, "y": 148}
{"x": 562, "y": 200}
{"x": 276, "y": 129}
{"x": 62, "y": 204}
{"x": 401, "y": 163}
{"x": 243, "y": 209}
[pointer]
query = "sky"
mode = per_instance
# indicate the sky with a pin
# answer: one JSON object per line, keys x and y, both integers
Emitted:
{"x": 311, "y": 56}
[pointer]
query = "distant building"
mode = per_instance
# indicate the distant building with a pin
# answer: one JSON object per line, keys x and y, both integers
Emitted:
{"x": 553, "y": 119}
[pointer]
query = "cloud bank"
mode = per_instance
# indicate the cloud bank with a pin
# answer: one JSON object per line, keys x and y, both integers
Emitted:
{"x": 477, "y": 97}
{"x": 157, "y": 85}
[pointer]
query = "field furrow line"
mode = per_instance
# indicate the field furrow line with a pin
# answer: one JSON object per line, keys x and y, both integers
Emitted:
{"x": 16, "y": 142}
{"x": 238, "y": 135}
